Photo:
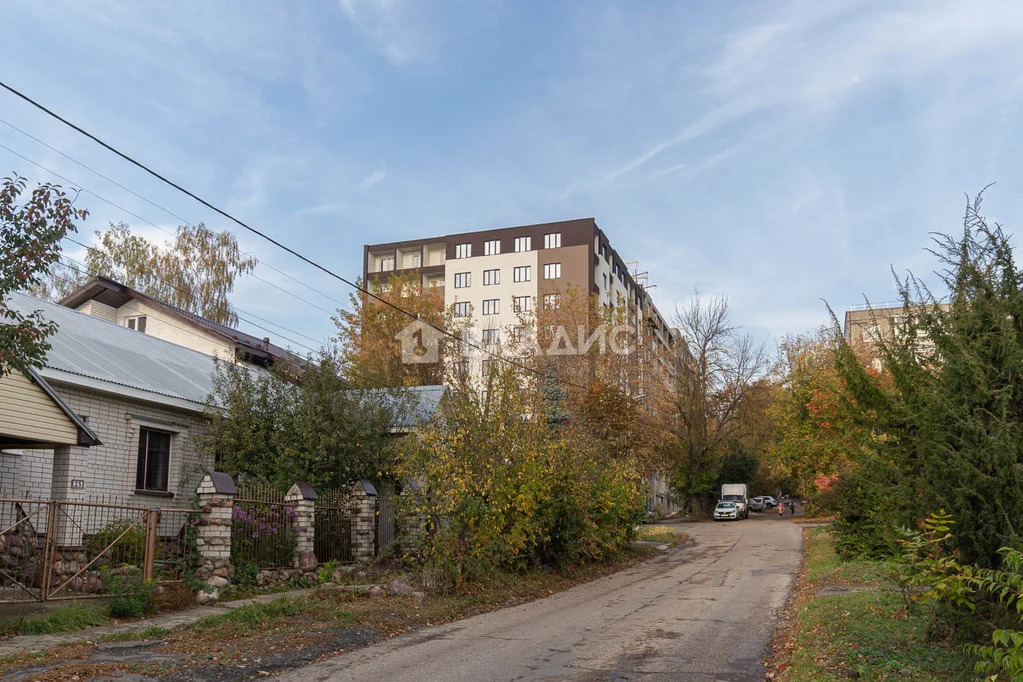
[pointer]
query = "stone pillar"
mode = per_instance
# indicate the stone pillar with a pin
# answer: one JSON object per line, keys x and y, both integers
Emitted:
{"x": 364, "y": 521}
{"x": 216, "y": 498}
{"x": 303, "y": 497}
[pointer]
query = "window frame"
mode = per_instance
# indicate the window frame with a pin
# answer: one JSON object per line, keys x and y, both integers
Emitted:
{"x": 552, "y": 240}
{"x": 493, "y": 275}
{"x": 463, "y": 250}
{"x": 551, "y": 267}
{"x": 492, "y": 247}
{"x": 491, "y": 306}
{"x": 136, "y": 323}
{"x": 142, "y": 462}
{"x": 528, "y": 308}
{"x": 491, "y": 337}
{"x": 518, "y": 270}
{"x": 548, "y": 298}
{"x": 463, "y": 280}
{"x": 461, "y": 306}
{"x": 526, "y": 241}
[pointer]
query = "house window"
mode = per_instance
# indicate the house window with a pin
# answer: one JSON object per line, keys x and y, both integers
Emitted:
{"x": 522, "y": 304}
{"x": 521, "y": 273}
{"x": 552, "y": 240}
{"x": 461, "y": 309}
{"x": 463, "y": 280}
{"x": 523, "y": 244}
{"x": 136, "y": 323}
{"x": 463, "y": 250}
{"x": 491, "y": 306}
{"x": 387, "y": 263}
{"x": 551, "y": 301}
{"x": 519, "y": 334}
{"x": 552, "y": 271}
{"x": 490, "y": 337}
{"x": 154, "y": 460}
{"x": 492, "y": 247}
{"x": 491, "y": 277}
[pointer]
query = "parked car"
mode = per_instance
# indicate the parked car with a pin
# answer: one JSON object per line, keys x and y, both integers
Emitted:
{"x": 769, "y": 501}
{"x": 726, "y": 510}
{"x": 756, "y": 504}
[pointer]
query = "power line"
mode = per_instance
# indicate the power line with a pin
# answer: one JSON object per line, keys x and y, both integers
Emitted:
{"x": 82, "y": 188}
{"x": 267, "y": 237}
{"x": 154, "y": 204}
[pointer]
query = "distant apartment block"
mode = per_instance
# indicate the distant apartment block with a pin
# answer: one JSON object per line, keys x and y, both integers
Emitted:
{"x": 493, "y": 275}
{"x": 867, "y": 325}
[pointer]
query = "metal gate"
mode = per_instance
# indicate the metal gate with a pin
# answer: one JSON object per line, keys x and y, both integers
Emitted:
{"x": 332, "y": 537}
{"x": 385, "y": 521}
{"x": 60, "y": 549}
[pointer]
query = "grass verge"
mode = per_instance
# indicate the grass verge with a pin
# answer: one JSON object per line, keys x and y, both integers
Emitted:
{"x": 848, "y": 621}
{"x": 660, "y": 533}
{"x": 65, "y": 618}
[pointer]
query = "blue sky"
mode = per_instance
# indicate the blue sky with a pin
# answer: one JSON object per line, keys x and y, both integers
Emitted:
{"x": 779, "y": 153}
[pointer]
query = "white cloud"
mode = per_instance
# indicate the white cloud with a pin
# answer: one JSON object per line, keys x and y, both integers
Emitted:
{"x": 374, "y": 178}
{"x": 385, "y": 24}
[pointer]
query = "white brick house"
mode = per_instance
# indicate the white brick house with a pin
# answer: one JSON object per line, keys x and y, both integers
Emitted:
{"x": 143, "y": 399}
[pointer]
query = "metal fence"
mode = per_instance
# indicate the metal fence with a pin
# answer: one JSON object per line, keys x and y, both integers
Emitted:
{"x": 69, "y": 549}
{"x": 386, "y": 522}
{"x": 263, "y": 530}
{"x": 332, "y": 538}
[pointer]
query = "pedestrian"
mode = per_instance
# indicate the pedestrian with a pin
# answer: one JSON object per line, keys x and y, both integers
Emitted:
{"x": 781, "y": 510}
{"x": 792, "y": 507}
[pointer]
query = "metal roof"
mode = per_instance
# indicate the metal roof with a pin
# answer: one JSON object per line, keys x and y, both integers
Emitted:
{"x": 413, "y": 405}
{"x": 94, "y": 353}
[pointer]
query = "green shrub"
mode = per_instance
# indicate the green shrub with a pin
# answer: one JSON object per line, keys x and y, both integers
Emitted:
{"x": 126, "y": 541}
{"x": 130, "y": 595}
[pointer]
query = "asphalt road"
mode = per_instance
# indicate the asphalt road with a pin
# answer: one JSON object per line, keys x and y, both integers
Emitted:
{"x": 704, "y": 611}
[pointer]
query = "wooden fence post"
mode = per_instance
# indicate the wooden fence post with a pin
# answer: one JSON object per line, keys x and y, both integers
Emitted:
{"x": 152, "y": 525}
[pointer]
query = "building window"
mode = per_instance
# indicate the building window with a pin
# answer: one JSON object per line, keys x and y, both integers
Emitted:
{"x": 519, "y": 334}
{"x": 489, "y": 367}
{"x": 603, "y": 251}
{"x": 461, "y": 309}
{"x": 491, "y": 277}
{"x": 551, "y": 301}
{"x": 521, "y": 273}
{"x": 491, "y": 306}
{"x": 523, "y": 244}
{"x": 463, "y": 250}
{"x": 463, "y": 280}
{"x": 136, "y": 323}
{"x": 552, "y": 240}
{"x": 522, "y": 304}
{"x": 490, "y": 337}
{"x": 387, "y": 263}
{"x": 154, "y": 460}
{"x": 492, "y": 247}
{"x": 605, "y": 280}
{"x": 552, "y": 271}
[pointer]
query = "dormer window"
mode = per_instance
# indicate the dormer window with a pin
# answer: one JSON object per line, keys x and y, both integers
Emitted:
{"x": 136, "y": 323}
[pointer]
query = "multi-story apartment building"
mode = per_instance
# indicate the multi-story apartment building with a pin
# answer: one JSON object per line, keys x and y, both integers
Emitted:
{"x": 491, "y": 276}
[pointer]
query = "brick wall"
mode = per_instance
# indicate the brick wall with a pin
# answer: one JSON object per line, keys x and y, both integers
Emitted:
{"x": 110, "y": 469}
